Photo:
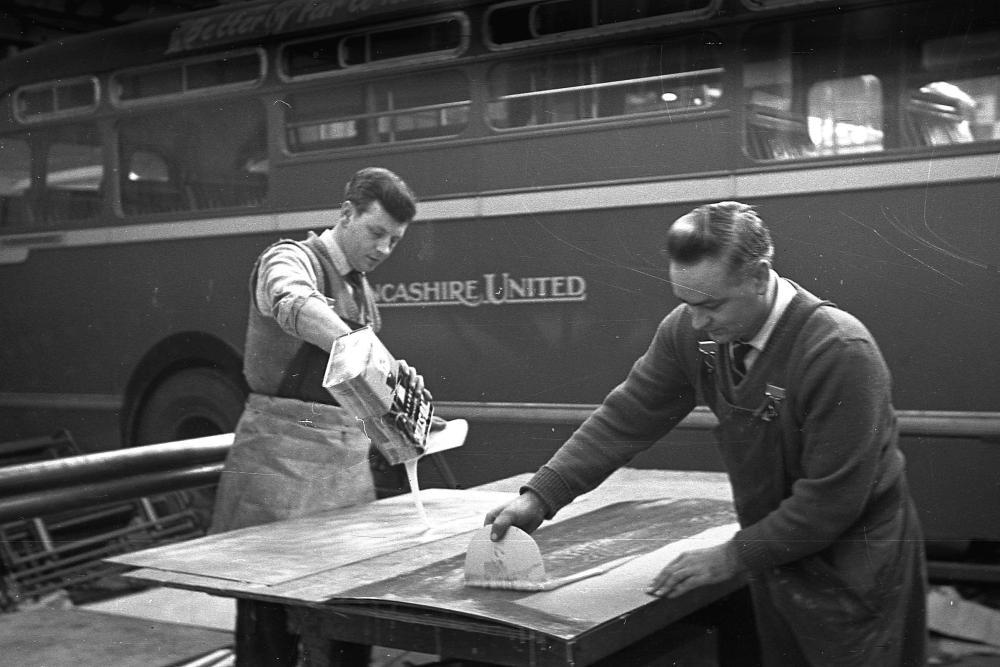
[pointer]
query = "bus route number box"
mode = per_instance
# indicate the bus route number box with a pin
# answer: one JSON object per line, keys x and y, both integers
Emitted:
{"x": 366, "y": 380}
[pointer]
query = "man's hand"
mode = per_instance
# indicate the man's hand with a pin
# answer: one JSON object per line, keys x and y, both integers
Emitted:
{"x": 696, "y": 568}
{"x": 414, "y": 379}
{"x": 527, "y": 512}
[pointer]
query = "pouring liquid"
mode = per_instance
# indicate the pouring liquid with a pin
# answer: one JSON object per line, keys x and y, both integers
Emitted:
{"x": 411, "y": 476}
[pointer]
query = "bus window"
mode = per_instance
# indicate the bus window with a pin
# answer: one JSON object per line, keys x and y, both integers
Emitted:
{"x": 845, "y": 115}
{"x": 148, "y": 186}
{"x": 15, "y": 179}
{"x": 813, "y": 89}
{"x": 523, "y": 20}
{"x": 74, "y": 175}
{"x": 326, "y": 118}
{"x": 445, "y": 35}
{"x": 427, "y": 106}
{"x": 228, "y": 71}
{"x": 55, "y": 99}
{"x": 680, "y": 76}
{"x": 421, "y": 107}
{"x": 941, "y": 113}
{"x": 192, "y": 158}
{"x": 421, "y": 41}
{"x": 943, "y": 109}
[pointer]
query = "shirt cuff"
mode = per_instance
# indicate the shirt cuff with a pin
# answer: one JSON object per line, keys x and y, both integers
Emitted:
{"x": 550, "y": 487}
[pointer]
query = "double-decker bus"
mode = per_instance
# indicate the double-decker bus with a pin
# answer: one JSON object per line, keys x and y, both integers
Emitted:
{"x": 142, "y": 169}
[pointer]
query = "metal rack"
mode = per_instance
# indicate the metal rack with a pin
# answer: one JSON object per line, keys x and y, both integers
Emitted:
{"x": 58, "y": 546}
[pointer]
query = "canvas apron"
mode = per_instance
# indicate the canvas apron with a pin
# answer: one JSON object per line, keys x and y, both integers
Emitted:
{"x": 846, "y": 605}
{"x": 290, "y": 458}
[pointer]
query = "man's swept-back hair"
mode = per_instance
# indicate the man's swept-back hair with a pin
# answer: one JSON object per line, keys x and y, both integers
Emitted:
{"x": 728, "y": 230}
{"x": 381, "y": 185}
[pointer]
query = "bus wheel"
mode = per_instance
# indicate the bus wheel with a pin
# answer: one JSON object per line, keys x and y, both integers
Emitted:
{"x": 192, "y": 403}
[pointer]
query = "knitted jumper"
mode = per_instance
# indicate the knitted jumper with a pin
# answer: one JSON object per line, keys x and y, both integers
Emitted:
{"x": 836, "y": 430}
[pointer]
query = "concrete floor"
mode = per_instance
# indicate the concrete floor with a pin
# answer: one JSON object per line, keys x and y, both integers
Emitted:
{"x": 80, "y": 638}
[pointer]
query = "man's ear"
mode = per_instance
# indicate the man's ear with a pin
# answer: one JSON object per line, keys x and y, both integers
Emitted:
{"x": 346, "y": 211}
{"x": 761, "y": 274}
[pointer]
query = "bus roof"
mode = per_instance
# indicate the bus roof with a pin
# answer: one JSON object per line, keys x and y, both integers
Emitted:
{"x": 214, "y": 29}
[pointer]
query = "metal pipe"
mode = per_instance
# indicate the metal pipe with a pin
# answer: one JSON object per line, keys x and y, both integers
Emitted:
{"x": 40, "y": 503}
{"x": 911, "y": 422}
{"x": 113, "y": 465}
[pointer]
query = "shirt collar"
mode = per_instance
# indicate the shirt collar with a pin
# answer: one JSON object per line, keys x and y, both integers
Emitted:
{"x": 336, "y": 254}
{"x": 784, "y": 293}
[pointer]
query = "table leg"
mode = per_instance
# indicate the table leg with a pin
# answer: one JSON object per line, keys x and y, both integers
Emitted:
{"x": 262, "y": 637}
{"x": 322, "y": 652}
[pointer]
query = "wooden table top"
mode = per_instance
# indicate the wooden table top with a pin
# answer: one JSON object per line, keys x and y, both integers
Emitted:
{"x": 380, "y": 554}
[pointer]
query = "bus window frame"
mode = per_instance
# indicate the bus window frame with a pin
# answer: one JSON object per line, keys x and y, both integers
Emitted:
{"x": 721, "y": 104}
{"x": 369, "y": 115}
{"x": 378, "y": 65}
{"x": 198, "y": 93}
{"x": 712, "y": 7}
{"x": 70, "y": 113}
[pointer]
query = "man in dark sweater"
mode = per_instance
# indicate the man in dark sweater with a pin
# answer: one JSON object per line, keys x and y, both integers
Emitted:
{"x": 829, "y": 537}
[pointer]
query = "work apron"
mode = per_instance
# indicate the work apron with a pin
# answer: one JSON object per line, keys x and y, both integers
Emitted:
{"x": 851, "y": 604}
{"x": 291, "y": 458}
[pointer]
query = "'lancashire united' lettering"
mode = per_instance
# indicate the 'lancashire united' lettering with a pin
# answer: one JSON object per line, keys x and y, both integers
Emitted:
{"x": 492, "y": 289}
{"x": 273, "y": 19}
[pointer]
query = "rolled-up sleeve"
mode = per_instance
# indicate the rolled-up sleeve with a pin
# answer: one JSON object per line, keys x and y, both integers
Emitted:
{"x": 285, "y": 282}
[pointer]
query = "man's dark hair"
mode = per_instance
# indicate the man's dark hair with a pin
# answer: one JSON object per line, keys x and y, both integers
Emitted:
{"x": 381, "y": 185}
{"x": 728, "y": 230}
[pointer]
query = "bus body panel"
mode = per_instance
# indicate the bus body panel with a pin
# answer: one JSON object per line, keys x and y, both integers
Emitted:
{"x": 533, "y": 277}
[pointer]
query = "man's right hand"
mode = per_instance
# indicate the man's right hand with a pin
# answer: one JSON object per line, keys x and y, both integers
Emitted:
{"x": 527, "y": 512}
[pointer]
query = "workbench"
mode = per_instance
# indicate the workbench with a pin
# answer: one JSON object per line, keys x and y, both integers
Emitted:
{"x": 375, "y": 574}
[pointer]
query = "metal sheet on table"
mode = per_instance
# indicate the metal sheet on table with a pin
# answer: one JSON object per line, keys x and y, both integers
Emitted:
{"x": 289, "y": 550}
{"x": 643, "y": 529}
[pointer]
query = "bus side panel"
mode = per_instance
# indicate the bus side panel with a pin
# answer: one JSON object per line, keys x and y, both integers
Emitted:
{"x": 612, "y": 152}
{"x": 543, "y": 308}
{"x": 428, "y": 170}
{"x": 159, "y": 289}
{"x": 916, "y": 266}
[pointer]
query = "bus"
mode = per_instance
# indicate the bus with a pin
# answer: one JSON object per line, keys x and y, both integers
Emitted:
{"x": 143, "y": 168}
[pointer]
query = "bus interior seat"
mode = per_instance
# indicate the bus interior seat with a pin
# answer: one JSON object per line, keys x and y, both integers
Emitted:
{"x": 775, "y": 135}
{"x": 931, "y": 123}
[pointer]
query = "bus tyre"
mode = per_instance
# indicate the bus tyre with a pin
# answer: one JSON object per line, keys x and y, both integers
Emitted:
{"x": 192, "y": 403}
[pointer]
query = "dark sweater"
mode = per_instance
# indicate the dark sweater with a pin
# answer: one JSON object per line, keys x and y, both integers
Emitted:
{"x": 837, "y": 430}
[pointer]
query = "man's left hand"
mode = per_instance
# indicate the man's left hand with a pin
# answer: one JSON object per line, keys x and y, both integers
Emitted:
{"x": 696, "y": 568}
